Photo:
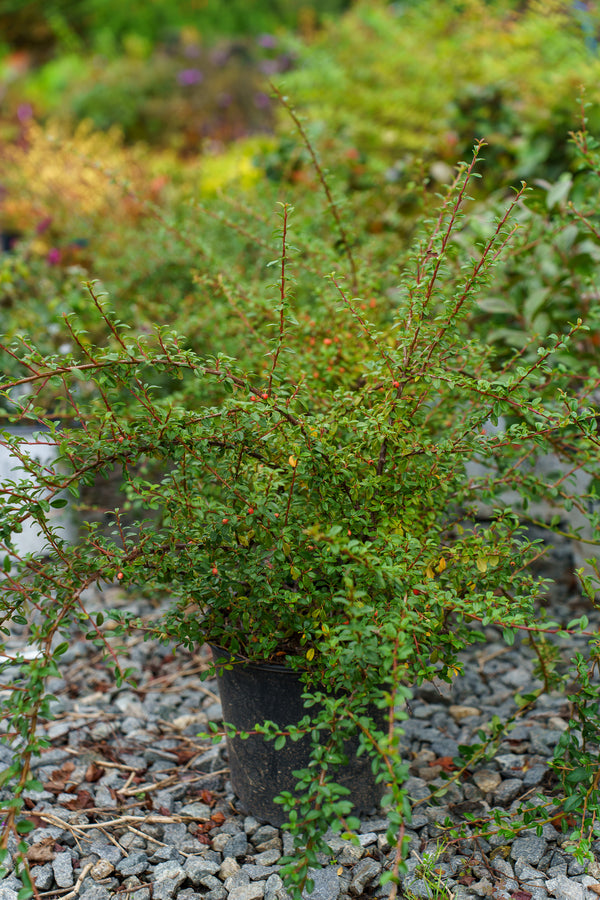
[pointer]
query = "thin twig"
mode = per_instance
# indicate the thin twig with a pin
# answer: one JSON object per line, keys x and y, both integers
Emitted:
{"x": 324, "y": 184}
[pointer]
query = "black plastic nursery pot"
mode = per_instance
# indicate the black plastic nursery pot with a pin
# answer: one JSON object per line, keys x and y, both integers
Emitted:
{"x": 253, "y": 693}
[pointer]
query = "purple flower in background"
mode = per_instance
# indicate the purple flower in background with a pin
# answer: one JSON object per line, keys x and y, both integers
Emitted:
{"x": 24, "y": 112}
{"x": 188, "y": 77}
{"x": 267, "y": 41}
{"x": 262, "y": 100}
{"x": 53, "y": 257}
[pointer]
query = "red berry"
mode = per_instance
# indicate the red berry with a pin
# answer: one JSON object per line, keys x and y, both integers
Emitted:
{"x": 327, "y": 341}
{"x": 120, "y": 440}
{"x": 250, "y": 510}
{"x": 396, "y": 383}
{"x": 214, "y": 570}
{"x": 120, "y": 575}
{"x": 265, "y": 396}
{"x": 225, "y": 521}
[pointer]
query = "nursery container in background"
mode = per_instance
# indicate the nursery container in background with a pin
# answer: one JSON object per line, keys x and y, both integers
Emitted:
{"x": 42, "y": 447}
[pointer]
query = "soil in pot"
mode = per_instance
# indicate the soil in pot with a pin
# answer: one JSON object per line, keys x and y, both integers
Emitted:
{"x": 253, "y": 693}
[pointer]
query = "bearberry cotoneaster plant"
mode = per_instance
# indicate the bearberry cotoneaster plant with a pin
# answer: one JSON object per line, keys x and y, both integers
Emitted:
{"x": 311, "y": 505}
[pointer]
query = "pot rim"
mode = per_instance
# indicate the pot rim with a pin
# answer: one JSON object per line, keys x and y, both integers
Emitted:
{"x": 245, "y": 663}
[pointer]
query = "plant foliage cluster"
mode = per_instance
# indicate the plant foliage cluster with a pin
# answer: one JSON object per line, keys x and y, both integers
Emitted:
{"x": 325, "y": 427}
{"x": 504, "y": 70}
{"x": 312, "y": 497}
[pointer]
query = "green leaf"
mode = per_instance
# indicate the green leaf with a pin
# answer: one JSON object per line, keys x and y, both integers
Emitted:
{"x": 581, "y": 773}
{"x": 559, "y": 191}
{"x": 34, "y": 785}
{"x": 572, "y": 802}
{"x": 24, "y": 826}
{"x": 496, "y": 305}
{"x": 509, "y": 636}
{"x": 279, "y": 742}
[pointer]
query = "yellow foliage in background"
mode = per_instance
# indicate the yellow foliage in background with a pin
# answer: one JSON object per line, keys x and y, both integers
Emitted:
{"x": 235, "y": 167}
{"x": 79, "y": 183}
{"x": 75, "y": 179}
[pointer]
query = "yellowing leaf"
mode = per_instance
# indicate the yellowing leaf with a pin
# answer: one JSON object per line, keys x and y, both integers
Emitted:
{"x": 441, "y": 565}
{"x": 293, "y": 462}
{"x": 482, "y": 564}
{"x": 310, "y": 653}
{"x": 429, "y": 573}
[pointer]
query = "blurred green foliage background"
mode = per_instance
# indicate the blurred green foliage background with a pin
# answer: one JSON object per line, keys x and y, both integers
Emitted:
{"x": 141, "y": 145}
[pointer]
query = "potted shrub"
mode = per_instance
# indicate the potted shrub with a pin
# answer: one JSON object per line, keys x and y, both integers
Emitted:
{"x": 314, "y": 507}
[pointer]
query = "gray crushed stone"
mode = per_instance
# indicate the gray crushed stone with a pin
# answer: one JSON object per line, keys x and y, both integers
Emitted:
{"x": 136, "y": 791}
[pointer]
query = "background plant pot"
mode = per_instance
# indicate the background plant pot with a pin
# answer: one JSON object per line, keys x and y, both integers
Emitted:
{"x": 253, "y": 693}
{"x": 41, "y": 446}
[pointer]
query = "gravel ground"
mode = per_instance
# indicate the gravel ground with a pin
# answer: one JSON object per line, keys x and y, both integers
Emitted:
{"x": 137, "y": 804}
